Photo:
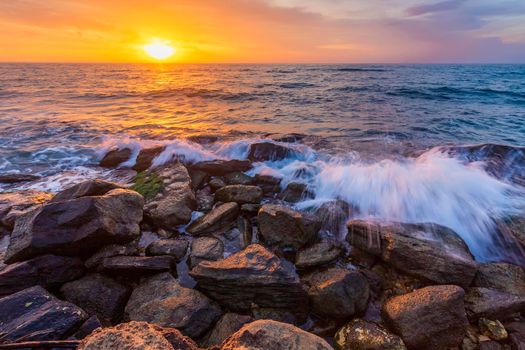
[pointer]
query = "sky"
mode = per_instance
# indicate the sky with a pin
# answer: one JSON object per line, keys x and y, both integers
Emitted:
{"x": 265, "y": 31}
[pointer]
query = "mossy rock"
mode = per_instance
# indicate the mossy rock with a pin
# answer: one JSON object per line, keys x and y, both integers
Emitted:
{"x": 148, "y": 184}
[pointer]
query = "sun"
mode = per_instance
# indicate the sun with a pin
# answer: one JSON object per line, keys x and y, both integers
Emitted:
{"x": 159, "y": 49}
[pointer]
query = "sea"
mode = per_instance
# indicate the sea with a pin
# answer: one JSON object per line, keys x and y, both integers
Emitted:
{"x": 398, "y": 142}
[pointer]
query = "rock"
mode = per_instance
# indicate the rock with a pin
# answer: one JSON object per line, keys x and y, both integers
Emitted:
{"x": 492, "y": 304}
{"x": 253, "y": 276}
{"x": 77, "y": 226}
{"x": 220, "y": 219}
{"x": 160, "y": 299}
{"x": 204, "y": 200}
{"x": 290, "y": 138}
{"x": 266, "y": 334}
{"x": 363, "y": 335}
{"x": 220, "y": 167}
{"x": 34, "y": 314}
{"x": 250, "y": 209}
{"x": 337, "y": 293}
{"x": 334, "y": 216}
{"x": 295, "y": 192}
{"x": 111, "y": 250}
{"x": 513, "y": 228}
{"x": 238, "y": 178}
{"x": 427, "y": 251}
{"x": 14, "y": 178}
{"x": 115, "y": 157}
{"x": 268, "y": 184}
{"x": 492, "y": 329}
{"x": 173, "y": 204}
{"x": 283, "y": 226}
{"x": 267, "y": 151}
{"x": 87, "y": 327}
{"x": 198, "y": 179}
{"x": 241, "y": 194}
{"x": 228, "y": 324}
{"x": 137, "y": 266}
{"x": 501, "y": 276}
{"x": 176, "y": 248}
{"x": 428, "y": 318}
{"x": 146, "y": 156}
{"x": 246, "y": 230}
{"x": 14, "y": 204}
{"x": 317, "y": 254}
{"x": 490, "y": 345}
{"x": 98, "y": 295}
{"x": 48, "y": 271}
{"x": 216, "y": 183}
{"x": 177, "y": 340}
{"x": 517, "y": 341}
{"x": 85, "y": 189}
{"x": 205, "y": 249}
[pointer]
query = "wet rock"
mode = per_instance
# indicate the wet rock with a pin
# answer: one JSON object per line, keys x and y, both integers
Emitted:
{"x": 15, "y": 178}
{"x": 85, "y": 189}
{"x": 146, "y": 156}
{"x": 334, "y": 216}
{"x": 317, "y": 254}
{"x": 266, "y": 334}
{"x": 501, "y": 276}
{"x": 492, "y": 304}
{"x": 290, "y": 138}
{"x": 176, "y": 248}
{"x": 428, "y": 318}
{"x": 513, "y": 228}
{"x": 162, "y": 300}
{"x": 492, "y": 329}
{"x": 220, "y": 219}
{"x": 238, "y": 178}
{"x": 228, "y": 324}
{"x": 337, "y": 293}
{"x": 98, "y": 295}
{"x": 78, "y": 226}
{"x": 34, "y": 314}
{"x": 363, "y": 335}
{"x": 222, "y": 167}
{"x": 137, "y": 266}
{"x": 295, "y": 192}
{"x": 48, "y": 271}
{"x": 284, "y": 226}
{"x": 265, "y": 151}
{"x": 109, "y": 251}
{"x": 198, "y": 179}
{"x": 241, "y": 194}
{"x": 427, "y": 251}
{"x": 88, "y": 327}
{"x": 268, "y": 184}
{"x": 205, "y": 249}
{"x": 216, "y": 184}
{"x": 14, "y": 204}
{"x": 115, "y": 157}
{"x": 204, "y": 200}
{"x": 253, "y": 276}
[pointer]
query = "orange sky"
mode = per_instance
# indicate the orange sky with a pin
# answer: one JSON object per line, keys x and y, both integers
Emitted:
{"x": 263, "y": 30}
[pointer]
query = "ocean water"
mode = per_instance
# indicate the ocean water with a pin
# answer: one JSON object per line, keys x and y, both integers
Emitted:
{"x": 389, "y": 139}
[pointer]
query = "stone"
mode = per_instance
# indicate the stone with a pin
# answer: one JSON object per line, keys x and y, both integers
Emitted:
{"x": 98, "y": 295}
{"x": 216, "y": 183}
{"x": 246, "y": 230}
{"x": 228, "y": 324}
{"x": 146, "y": 156}
{"x": 501, "y": 276}
{"x": 429, "y": 251}
{"x": 333, "y": 216}
{"x": 268, "y": 151}
{"x": 490, "y": 345}
{"x": 363, "y": 335}
{"x": 205, "y": 249}
{"x": 137, "y": 266}
{"x": 290, "y": 138}
{"x": 198, "y": 179}
{"x": 219, "y": 219}
{"x": 204, "y": 200}
{"x": 87, "y": 188}
{"x": 317, "y": 254}
{"x": 253, "y": 276}
{"x": 221, "y": 167}
{"x": 88, "y": 327}
{"x": 241, "y": 194}
{"x": 48, "y": 271}
{"x": 337, "y": 293}
{"x": 77, "y": 227}
{"x": 268, "y": 183}
{"x": 15, "y": 178}
{"x": 517, "y": 341}
{"x": 111, "y": 250}
{"x": 492, "y": 329}
{"x": 238, "y": 178}
{"x": 34, "y": 314}
{"x": 295, "y": 192}
{"x": 161, "y": 300}
{"x": 267, "y": 334}
{"x": 176, "y": 248}
{"x": 15, "y": 204}
{"x": 492, "y": 304}
{"x": 430, "y": 318}
{"x": 285, "y": 227}
{"x": 115, "y": 157}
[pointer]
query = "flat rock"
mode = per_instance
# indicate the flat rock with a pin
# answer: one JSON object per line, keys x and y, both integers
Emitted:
{"x": 111, "y": 250}
{"x": 501, "y": 276}
{"x": 176, "y": 248}
{"x": 85, "y": 189}
{"x": 14, "y": 204}
{"x": 15, "y": 178}
{"x": 492, "y": 303}
{"x": 219, "y": 219}
{"x": 317, "y": 254}
{"x": 428, "y": 318}
{"x": 268, "y": 151}
{"x": 146, "y": 156}
{"x": 241, "y": 194}
{"x": 238, "y": 178}
{"x": 205, "y": 249}
{"x": 427, "y": 251}
{"x": 228, "y": 324}
{"x": 115, "y": 157}
{"x": 363, "y": 335}
{"x": 137, "y": 266}
{"x": 160, "y": 299}
{"x": 48, "y": 271}
{"x": 34, "y": 314}
{"x": 220, "y": 167}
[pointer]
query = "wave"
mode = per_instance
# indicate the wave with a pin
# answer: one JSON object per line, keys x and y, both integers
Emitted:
{"x": 449, "y": 93}
{"x": 360, "y": 70}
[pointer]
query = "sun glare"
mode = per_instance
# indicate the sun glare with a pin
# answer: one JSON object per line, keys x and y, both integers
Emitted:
{"x": 159, "y": 49}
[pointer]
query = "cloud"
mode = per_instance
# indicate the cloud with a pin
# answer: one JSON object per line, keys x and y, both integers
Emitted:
{"x": 432, "y": 8}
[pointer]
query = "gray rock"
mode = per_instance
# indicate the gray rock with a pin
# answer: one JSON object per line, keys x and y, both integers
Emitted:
{"x": 88, "y": 327}
{"x": 220, "y": 219}
{"x": 363, "y": 335}
{"x": 238, "y": 178}
{"x": 176, "y": 248}
{"x": 228, "y": 324}
{"x": 241, "y": 194}
{"x": 205, "y": 249}
{"x": 204, "y": 200}
{"x": 492, "y": 304}
{"x": 317, "y": 254}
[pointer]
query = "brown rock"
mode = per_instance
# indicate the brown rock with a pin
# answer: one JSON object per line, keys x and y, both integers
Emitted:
{"x": 238, "y": 178}
{"x": 363, "y": 335}
{"x": 205, "y": 249}
{"x": 241, "y": 194}
{"x": 14, "y": 204}
{"x": 295, "y": 191}
{"x": 501, "y": 276}
{"x": 220, "y": 219}
{"x": 146, "y": 156}
{"x": 317, "y": 254}
{"x": 176, "y": 248}
{"x": 115, "y": 157}
{"x": 111, "y": 250}
{"x": 137, "y": 266}
{"x": 492, "y": 304}
{"x": 265, "y": 151}
{"x": 228, "y": 324}
{"x": 15, "y": 178}
{"x": 222, "y": 167}
{"x": 85, "y": 189}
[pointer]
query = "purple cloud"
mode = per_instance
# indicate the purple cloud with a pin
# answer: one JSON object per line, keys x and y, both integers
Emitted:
{"x": 437, "y": 7}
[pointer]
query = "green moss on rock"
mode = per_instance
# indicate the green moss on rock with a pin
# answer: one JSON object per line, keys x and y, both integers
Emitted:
{"x": 148, "y": 184}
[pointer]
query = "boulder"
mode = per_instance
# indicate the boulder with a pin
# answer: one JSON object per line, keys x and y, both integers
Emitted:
{"x": 295, "y": 192}
{"x": 87, "y": 327}
{"x": 216, "y": 183}
{"x": 34, "y": 314}
{"x": 501, "y": 276}
{"x": 363, "y": 335}
{"x": 14, "y": 204}
{"x": 160, "y": 299}
{"x": 205, "y": 249}
{"x": 15, "y": 178}
{"x": 176, "y": 248}
{"x": 238, "y": 178}
{"x": 317, "y": 254}
{"x": 228, "y": 324}
{"x": 267, "y": 334}
{"x": 221, "y": 167}
{"x": 98, "y": 295}
{"x": 241, "y": 194}
{"x": 146, "y": 156}
{"x": 290, "y": 138}
{"x": 220, "y": 219}
{"x": 78, "y": 226}
{"x": 492, "y": 303}
{"x": 285, "y": 227}
{"x": 198, "y": 179}
{"x": 429, "y": 251}
{"x": 268, "y": 151}
{"x": 252, "y": 277}
{"x": 333, "y": 216}
{"x": 268, "y": 183}
{"x": 337, "y": 293}
{"x": 430, "y": 318}
{"x": 111, "y": 250}
{"x": 87, "y": 188}
{"x": 137, "y": 266}
{"x": 48, "y": 271}
{"x": 115, "y": 157}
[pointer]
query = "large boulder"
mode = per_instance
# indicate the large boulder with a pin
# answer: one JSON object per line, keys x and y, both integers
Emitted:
{"x": 48, "y": 271}
{"x": 363, "y": 335}
{"x": 14, "y": 204}
{"x": 252, "y": 277}
{"x": 115, "y": 157}
{"x": 176, "y": 248}
{"x": 218, "y": 220}
{"x": 160, "y": 299}
{"x": 146, "y": 157}
{"x": 429, "y": 251}
{"x": 205, "y": 249}
{"x": 98, "y": 295}
{"x": 501, "y": 276}
{"x": 85, "y": 189}
{"x": 285, "y": 227}
{"x": 77, "y": 226}
{"x": 267, "y": 334}
{"x": 241, "y": 194}
{"x": 492, "y": 303}
{"x": 430, "y": 318}
{"x": 34, "y": 314}
{"x": 228, "y": 324}
{"x": 221, "y": 167}
{"x": 265, "y": 151}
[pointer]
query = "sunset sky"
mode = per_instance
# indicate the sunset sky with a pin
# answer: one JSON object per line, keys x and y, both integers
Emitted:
{"x": 265, "y": 31}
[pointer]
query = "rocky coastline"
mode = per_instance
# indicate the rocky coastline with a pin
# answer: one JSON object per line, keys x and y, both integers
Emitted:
{"x": 203, "y": 256}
